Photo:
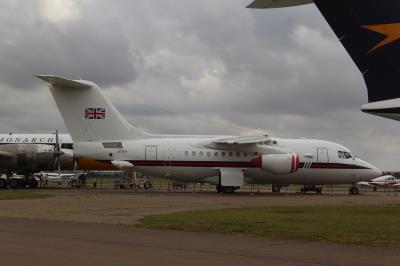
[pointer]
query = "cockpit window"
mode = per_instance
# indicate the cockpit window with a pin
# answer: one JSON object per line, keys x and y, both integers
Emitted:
{"x": 344, "y": 155}
{"x": 347, "y": 155}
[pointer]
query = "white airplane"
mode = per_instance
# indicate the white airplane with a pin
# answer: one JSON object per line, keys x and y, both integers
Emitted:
{"x": 101, "y": 133}
{"x": 386, "y": 181}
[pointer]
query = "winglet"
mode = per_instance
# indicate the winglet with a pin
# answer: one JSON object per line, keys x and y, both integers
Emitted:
{"x": 63, "y": 82}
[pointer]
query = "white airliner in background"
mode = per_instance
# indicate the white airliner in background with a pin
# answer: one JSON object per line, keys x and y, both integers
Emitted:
{"x": 386, "y": 181}
{"x": 100, "y": 132}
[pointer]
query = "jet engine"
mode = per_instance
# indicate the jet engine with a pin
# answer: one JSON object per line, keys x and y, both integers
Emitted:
{"x": 280, "y": 164}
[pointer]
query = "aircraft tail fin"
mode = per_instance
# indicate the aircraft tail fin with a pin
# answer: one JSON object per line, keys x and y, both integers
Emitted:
{"x": 88, "y": 114}
{"x": 370, "y": 32}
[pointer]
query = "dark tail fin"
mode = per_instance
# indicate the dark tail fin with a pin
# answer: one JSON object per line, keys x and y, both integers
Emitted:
{"x": 370, "y": 32}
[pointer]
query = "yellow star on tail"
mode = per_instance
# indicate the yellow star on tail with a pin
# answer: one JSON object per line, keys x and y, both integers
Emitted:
{"x": 391, "y": 31}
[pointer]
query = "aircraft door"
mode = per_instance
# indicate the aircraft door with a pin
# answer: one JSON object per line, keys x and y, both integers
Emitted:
{"x": 168, "y": 156}
{"x": 151, "y": 153}
{"x": 322, "y": 155}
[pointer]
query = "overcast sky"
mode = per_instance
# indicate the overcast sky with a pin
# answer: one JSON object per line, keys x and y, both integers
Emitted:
{"x": 191, "y": 67}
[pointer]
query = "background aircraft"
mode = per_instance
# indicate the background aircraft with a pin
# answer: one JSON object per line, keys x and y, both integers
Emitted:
{"x": 26, "y": 154}
{"x": 386, "y": 181}
{"x": 370, "y": 32}
{"x": 100, "y": 132}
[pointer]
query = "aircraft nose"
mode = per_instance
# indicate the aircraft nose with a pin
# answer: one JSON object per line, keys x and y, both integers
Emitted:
{"x": 374, "y": 171}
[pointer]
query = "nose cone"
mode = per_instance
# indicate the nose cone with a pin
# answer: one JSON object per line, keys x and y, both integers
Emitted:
{"x": 371, "y": 170}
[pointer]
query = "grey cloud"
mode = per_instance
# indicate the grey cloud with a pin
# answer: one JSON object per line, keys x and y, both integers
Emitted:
{"x": 91, "y": 47}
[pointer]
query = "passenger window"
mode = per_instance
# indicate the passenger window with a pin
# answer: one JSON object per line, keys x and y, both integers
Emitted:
{"x": 223, "y": 154}
{"x": 238, "y": 154}
{"x": 194, "y": 153}
{"x": 201, "y": 154}
{"x": 256, "y": 153}
{"x": 245, "y": 154}
{"x": 275, "y": 142}
{"x": 208, "y": 153}
{"x": 216, "y": 154}
{"x": 230, "y": 154}
{"x": 186, "y": 153}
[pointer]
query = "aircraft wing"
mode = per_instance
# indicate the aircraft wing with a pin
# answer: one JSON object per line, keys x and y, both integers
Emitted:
{"x": 57, "y": 175}
{"x": 6, "y": 155}
{"x": 242, "y": 140}
{"x": 236, "y": 143}
{"x": 63, "y": 82}
{"x": 259, "y": 4}
{"x": 366, "y": 184}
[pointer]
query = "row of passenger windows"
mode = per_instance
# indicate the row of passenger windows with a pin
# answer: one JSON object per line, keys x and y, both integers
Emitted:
{"x": 344, "y": 155}
{"x": 215, "y": 154}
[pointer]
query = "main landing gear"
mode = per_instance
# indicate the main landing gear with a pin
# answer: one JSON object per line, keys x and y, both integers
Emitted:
{"x": 276, "y": 189}
{"x": 225, "y": 190}
{"x": 354, "y": 190}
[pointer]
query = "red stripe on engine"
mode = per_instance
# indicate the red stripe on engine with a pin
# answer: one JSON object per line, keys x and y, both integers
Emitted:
{"x": 297, "y": 163}
{"x": 292, "y": 170}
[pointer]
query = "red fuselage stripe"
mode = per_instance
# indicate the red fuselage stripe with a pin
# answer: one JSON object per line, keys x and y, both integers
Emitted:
{"x": 196, "y": 164}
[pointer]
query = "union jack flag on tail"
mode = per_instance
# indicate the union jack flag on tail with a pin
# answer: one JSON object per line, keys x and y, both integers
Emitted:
{"x": 95, "y": 113}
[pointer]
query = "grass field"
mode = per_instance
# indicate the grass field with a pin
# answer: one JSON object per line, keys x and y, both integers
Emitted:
{"x": 12, "y": 194}
{"x": 365, "y": 225}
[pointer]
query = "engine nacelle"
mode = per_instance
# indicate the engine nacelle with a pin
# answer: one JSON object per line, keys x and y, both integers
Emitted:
{"x": 280, "y": 164}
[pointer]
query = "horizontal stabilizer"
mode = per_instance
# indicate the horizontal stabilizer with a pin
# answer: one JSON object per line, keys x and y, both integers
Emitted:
{"x": 260, "y": 4}
{"x": 64, "y": 83}
{"x": 388, "y": 109}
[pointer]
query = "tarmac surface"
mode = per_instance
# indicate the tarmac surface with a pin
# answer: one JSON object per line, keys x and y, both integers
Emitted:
{"x": 38, "y": 242}
{"x": 93, "y": 228}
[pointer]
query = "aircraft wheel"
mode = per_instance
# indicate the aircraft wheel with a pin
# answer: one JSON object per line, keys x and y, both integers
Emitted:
{"x": 227, "y": 190}
{"x": 354, "y": 191}
{"x": 2, "y": 183}
{"x": 32, "y": 183}
{"x": 74, "y": 183}
{"x": 13, "y": 183}
{"x": 219, "y": 188}
{"x": 276, "y": 189}
{"x": 375, "y": 189}
{"x": 147, "y": 185}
